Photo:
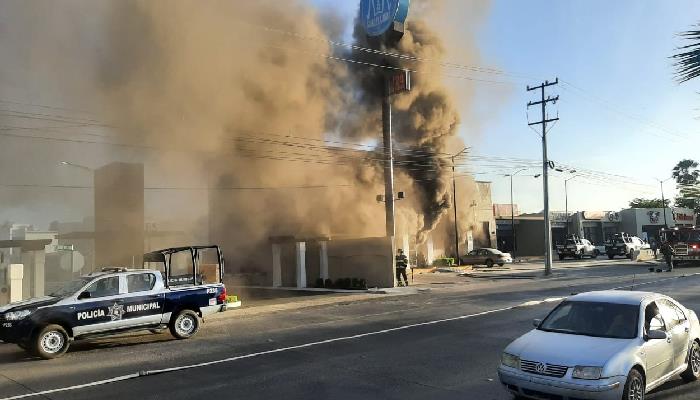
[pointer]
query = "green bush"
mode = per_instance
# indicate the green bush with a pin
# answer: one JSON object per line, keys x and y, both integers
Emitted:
{"x": 443, "y": 262}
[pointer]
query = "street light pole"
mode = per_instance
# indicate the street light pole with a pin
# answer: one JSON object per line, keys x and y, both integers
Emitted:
{"x": 512, "y": 210}
{"x": 454, "y": 201}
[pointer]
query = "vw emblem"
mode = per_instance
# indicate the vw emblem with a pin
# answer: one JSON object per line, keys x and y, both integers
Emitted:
{"x": 540, "y": 368}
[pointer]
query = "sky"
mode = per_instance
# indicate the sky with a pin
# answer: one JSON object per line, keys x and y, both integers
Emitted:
{"x": 621, "y": 112}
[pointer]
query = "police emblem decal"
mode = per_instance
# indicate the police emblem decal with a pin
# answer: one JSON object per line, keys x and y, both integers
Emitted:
{"x": 540, "y": 368}
{"x": 116, "y": 312}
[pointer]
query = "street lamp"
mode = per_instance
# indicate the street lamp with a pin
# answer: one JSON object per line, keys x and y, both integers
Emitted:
{"x": 70, "y": 164}
{"x": 566, "y": 201}
{"x": 454, "y": 201}
{"x": 512, "y": 209}
{"x": 663, "y": 199}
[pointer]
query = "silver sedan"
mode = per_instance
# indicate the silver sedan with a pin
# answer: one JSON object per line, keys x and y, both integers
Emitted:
{"x": 607, "y": 345}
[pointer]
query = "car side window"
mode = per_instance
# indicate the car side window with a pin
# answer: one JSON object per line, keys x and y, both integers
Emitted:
{"x": 472, "y": 253}
{"x": 653, "y": 319}
{"x": 140, "y": 282}
{"x": 483, "y": 252}
{"x": 673, "y": 315}
{"x": 104, "y": 287}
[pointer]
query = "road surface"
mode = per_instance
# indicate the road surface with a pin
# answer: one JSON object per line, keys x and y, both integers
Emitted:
{"x": 442, "y": 343}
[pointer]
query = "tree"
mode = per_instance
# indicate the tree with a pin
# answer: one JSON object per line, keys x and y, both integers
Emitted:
{"x": 687, "y": 176}
{"x": 688, "y": 59}
{"x": 648, "y": 203}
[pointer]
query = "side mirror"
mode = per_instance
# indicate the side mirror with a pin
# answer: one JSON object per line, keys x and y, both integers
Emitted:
{"x": 84, "y": 295}
{"x": 653, "y": 335}
{"x": 536, "y": 323}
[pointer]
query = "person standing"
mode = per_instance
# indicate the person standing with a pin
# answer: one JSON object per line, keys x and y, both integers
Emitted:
{"x": 401, "y": 265}
{"x": 654, "y": 246}
{"x": 668, "y": 252}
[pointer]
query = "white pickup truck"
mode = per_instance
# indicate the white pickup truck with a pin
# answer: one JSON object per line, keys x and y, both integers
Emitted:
{"x": 624, "y": 245}
{"x": 577, "y": 248}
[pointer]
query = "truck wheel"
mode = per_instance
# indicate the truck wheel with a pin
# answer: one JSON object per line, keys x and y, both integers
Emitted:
{"x": 610, "y": 256}
{"x": 50, "y": 342}
{"x": 184, "y": 325}
{"x": 629, "y": 255}
{"x": 561, "y": 257}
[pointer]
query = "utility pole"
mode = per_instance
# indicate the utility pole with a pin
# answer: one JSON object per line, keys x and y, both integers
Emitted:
{"x": 454, "y": 204}
{"x": 512, "y": 210}
{"x": 566, "y": 202}
{"x": 663, "y": 199}
{"x": 545, "y": 166}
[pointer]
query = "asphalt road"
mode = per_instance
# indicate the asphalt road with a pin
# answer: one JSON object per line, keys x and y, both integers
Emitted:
{"x": 439, "y": 344}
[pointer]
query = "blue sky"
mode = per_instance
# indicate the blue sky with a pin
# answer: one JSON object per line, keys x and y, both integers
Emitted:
{"x": 629, "y": 118}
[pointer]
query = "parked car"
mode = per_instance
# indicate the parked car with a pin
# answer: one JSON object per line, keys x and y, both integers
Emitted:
{"x": 607, "y": 345}
{"x": 624, "y": 245}
{"x": 184, "y": 285}
{"x": 578, "y": 248}
{"x": 486, "y": 256}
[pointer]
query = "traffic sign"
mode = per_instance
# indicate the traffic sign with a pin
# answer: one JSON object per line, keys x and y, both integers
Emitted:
{"x": 378, "y": 16}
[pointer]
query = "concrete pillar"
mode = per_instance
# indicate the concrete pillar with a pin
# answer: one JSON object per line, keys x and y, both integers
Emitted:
{"x": 323, "y": 251}
{"x": 406, "y": 246}
{"x": 301, "y": 264}
{"x": 429, "y": 251}
{"x": 276, "y": 265}
{"x": 470, "y": 241}
{"x": 39, "y": 276}
{"x": 15, "y": 274}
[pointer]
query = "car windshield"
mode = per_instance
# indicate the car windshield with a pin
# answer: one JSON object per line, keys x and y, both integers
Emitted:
{"x": 596, "y": 319}
{"x": 71, "y": 287}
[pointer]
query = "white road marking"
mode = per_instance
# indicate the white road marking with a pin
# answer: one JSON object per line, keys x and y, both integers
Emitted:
{"x": 301, "y": 346}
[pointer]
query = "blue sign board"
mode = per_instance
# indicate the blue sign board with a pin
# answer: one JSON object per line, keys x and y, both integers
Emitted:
{"x": 378, "y": 16}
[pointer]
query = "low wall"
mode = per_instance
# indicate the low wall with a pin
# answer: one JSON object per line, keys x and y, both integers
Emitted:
{"x": 366, "y": 258}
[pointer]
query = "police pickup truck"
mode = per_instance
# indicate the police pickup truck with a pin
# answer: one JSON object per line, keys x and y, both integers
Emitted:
{"x": 576, "y": 247}
{"x": 624, "y": 245}
{"x": 176, "y": 288}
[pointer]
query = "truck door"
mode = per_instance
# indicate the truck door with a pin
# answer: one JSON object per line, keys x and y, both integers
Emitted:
{"x": 99, "y": 307}
{"x": 143, "y": 301}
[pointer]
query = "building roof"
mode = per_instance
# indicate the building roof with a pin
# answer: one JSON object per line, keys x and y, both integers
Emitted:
{"x": 613, "y": 296}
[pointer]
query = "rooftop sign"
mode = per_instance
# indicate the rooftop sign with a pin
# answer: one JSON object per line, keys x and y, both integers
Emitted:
{"x": 378, "y": 16}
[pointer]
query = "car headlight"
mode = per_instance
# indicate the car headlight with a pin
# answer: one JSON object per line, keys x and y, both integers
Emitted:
{"x": 590, "y": 373}
{"x": 510, "y": 360}
{"x": 17, "y": 315}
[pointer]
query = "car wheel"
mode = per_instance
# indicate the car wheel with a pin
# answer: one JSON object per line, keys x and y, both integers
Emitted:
{"x": 501, "y": 264}
{"x": 489, "y": 263}
{"x": 610, "y": 256}
{"x": 629, "y": 255}
{"x": 634, "y": 387}
{"x": 692, "y": 373}
{"x": 184, "y": 325}
{"x": 50, "y": 342}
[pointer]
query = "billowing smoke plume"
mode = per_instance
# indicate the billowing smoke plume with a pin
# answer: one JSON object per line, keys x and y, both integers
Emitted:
{"x": 243, "y": 92}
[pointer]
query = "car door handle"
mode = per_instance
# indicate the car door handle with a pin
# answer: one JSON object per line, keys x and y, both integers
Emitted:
{"x": 668, "y": 340}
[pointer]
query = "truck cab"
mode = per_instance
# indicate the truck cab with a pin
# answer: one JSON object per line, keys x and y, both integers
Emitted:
{"x": 622, "y": 244}
{"x": 685, "y": 243}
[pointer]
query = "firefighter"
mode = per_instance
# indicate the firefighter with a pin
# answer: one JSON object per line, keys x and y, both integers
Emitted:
{"x": 401, "y": 265}
{"x": 668, "y": 252}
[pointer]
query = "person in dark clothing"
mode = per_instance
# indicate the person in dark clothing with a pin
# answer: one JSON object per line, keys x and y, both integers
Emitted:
{"x": 668, "y": 252}
{"x": 401, "y": 265}
{"x": 654, "y": 244}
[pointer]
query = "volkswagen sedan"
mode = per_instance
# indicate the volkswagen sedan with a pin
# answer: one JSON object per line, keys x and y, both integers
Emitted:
{"x": 608, "y": 345}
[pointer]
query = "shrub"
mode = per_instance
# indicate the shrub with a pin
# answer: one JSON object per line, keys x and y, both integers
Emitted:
{"x": 443, "y": 262}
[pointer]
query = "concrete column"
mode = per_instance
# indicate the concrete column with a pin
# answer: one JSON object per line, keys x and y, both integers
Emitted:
{"x": 406, "y": 246}
{"x": 429, "y": 251}
{"x": 39, "y": 275}
{"x": 470, "y": 241}
{"x": 276, "y": 265}
{"x": 15, "y": 274}
{"x": 301, "y": 264}
{"x": 323, "y": 251}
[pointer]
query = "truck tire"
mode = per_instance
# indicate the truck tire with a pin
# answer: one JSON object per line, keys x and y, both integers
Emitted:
{"x": 184, "y": 325}
{"x": 610, "y": 256}
{"x": 561, "y": 257}
{"x": 629, "y": 255}
{"x": 50, "y": 342}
